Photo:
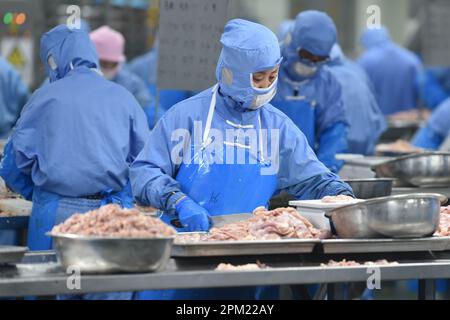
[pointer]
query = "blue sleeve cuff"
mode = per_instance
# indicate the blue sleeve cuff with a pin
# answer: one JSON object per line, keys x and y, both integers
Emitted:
{"x": 174, "y": 200}
{"x": 427, "y": 138}
{"x": 15, "y": 179}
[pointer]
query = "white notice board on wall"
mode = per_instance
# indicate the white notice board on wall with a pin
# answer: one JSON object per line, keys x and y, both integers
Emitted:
{"x": 435, "y": 37}
{"x": 189, "y": 35}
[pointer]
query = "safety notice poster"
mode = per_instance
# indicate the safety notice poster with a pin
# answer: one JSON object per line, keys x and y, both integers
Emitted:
{"x": 19, "y": 53}
{"x": 189, "y": 36}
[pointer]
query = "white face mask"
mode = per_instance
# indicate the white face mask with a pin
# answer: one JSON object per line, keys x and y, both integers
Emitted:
{"x": 264, "y": 96}
{"x": 304, "y": 70}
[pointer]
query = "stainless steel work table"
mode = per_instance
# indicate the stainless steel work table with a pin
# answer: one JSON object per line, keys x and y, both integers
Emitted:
{"x": 40, "y": 275}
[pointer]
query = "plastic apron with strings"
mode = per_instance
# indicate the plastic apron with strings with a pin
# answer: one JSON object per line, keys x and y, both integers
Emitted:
{"x": 223, "y": 188}
{"x": 301, "y": 111}
{"x": 50, "y": 209}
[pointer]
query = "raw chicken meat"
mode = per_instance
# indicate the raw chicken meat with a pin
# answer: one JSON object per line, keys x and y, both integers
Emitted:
{"x": 281, "y": 223}
{"x": 245, "y": 267}
{"x": 411, "y": 115}
{"x": 400, "y": 146}
{"x": 113, "y": 221}
{"x": 444, "y": 223}
{"x": 337, "y": 199}
{"x": 352, "y": 263}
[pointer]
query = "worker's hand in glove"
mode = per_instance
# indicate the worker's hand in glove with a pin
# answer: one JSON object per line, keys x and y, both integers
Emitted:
{"x": 192, "y": 216}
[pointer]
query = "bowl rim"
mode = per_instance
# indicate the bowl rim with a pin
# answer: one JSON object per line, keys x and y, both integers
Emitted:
{"x": 369, "y": 180}
{"x": 411, "y": 156}
{"x": 72, "y": 236}
{"x": 442, "y": 198}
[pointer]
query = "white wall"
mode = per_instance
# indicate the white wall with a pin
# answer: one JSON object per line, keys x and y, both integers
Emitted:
{"x": 268, "y": 12}
{"x": 394, "y": 15}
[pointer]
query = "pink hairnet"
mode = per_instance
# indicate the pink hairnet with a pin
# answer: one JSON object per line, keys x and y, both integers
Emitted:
{"x": 110, "y": 44}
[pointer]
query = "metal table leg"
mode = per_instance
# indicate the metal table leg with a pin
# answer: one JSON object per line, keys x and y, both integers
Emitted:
{"x": 321, "y": 292}
{"x": 300, "y": 292}
{"x": 427, "y": 290}
{"x": 337, "y": 291}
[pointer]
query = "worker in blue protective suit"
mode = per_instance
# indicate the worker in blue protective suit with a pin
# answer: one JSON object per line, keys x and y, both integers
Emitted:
{"x": 13, "y": 96}
{"x": 228, "y": 150}
{"x": 146, "y": 67}
{"x": 366, "y": 121}
{"x": 285, "y": 29}
{"x": 308, "y": 92}
{"x": 437, "y": 129}
{"x": 394, "y": 71}
{"x": 110, "y": 46}
{"x": 72, "y": 146}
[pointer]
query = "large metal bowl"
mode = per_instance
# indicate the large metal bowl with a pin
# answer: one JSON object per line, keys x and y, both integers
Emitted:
{"x": 431, "y": 169}
{"x": 402, "y": 216}
{"x": 105, "y": 255}
{"x": 371, "y": 188}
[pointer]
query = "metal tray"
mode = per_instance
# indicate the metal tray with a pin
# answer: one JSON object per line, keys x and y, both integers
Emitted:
{"x": 363, "y": 161}
{"x": 337, "y": 246}
{"x": 10, "y": 254}
{"x": 16, "y": 206}
{"x": 244, "y": 248}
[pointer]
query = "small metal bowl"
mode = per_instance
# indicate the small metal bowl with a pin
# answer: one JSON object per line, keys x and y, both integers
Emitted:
{"x": 371, "y": 188}
{"x": 402, "y": 216}
{"x": 430, "y": 169}
{"x": 11, "y": 254}
{"x": 108, "y": 254}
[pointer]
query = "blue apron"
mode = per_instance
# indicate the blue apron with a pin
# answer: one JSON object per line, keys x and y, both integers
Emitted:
{"x": 221, "y": 189}
{"x": 9, "y": 237}
{"x": 167, "y": 98}
{"x": 50, "y": 209}
{"x": 302, "y": 113}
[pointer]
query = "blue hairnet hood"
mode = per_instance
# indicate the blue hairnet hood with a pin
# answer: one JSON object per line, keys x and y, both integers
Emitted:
{"x": 248, "y": 47}
{"x": 284, "y": 29}
{"x": 374, "y": 37}
{"x": 69, "y": 48}
{"x": 85, "y": 26}
{"x": 315, "y": 32}
{"x": 336, "y": 53}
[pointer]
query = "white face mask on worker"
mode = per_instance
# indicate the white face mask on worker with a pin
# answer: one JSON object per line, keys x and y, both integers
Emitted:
{"x": 110, "y": 74}
{"x": 304, "y": 70}
{"x": 264, "y": 96}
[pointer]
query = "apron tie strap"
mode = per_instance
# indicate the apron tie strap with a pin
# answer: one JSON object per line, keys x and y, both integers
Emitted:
{"x": 110, "y": 197}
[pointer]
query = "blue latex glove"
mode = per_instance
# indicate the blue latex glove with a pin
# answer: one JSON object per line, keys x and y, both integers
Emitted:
{"x": 14, "y": 178}
{"x": 427, "y": 138}
{"x": 192, "y": 216}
